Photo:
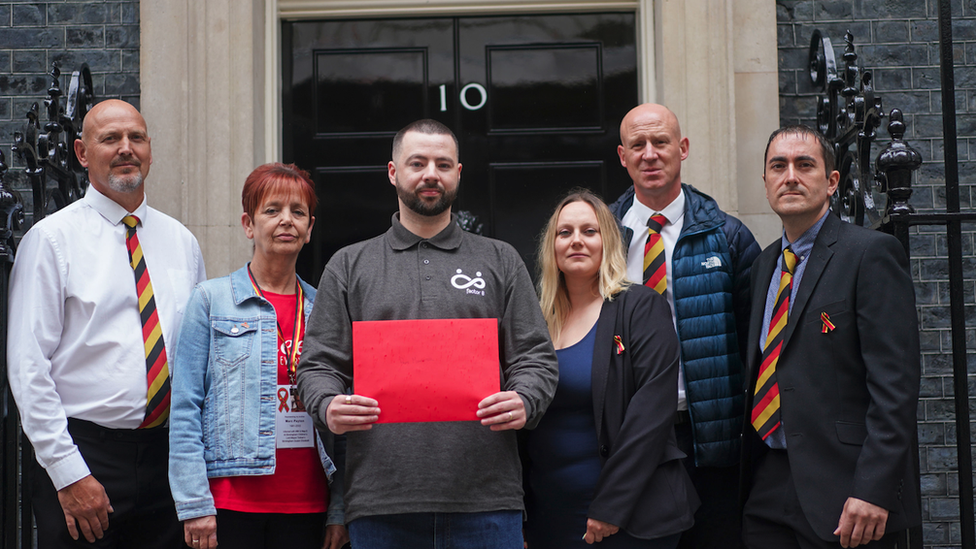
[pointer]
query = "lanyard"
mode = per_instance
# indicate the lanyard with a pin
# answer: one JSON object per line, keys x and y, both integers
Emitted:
{"x": 292, "y": 356}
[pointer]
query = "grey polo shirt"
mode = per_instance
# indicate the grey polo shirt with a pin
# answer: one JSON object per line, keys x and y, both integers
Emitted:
{"x": 428, "y": 467}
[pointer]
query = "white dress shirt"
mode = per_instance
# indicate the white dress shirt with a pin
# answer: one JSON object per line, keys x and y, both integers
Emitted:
{"x": 75, "y": 346}
{"x": 636, "y": 218}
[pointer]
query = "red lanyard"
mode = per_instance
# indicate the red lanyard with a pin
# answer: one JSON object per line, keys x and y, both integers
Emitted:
{"x": 292, "y": 356}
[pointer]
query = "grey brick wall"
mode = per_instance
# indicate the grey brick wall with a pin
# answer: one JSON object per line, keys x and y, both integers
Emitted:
{"x": 35, "y": 34}
{"x": 898, "y": 41}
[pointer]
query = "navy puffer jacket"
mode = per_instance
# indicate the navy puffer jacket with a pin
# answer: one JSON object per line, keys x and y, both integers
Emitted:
{"x": 710, "y": 285}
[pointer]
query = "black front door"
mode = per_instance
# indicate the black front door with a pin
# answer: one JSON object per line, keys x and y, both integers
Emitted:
{"x": 534, "y": 100}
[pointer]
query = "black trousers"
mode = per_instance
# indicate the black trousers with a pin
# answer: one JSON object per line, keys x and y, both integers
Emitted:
{"x": 238, "y": 530}
{"x": 717, "y": 524}
{"x": 132, "y": 466}
{"x": 772, "y": 517}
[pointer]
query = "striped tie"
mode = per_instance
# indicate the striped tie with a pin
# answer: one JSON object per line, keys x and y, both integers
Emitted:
{"x": 655, "y": 266}
{"x": 765, "y": 411}
{"x": 157, "y": 370}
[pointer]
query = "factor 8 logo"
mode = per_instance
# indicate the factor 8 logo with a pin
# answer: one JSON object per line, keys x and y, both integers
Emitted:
{"x": 470, "y": 285}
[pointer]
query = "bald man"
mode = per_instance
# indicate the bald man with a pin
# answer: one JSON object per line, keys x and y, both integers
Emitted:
{"x": 87, "y": 354}
{"x": 698, "y": 257}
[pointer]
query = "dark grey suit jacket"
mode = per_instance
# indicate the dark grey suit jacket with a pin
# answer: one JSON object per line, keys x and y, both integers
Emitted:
{"x": 848, "y": 397}
{"x": 643, "y": 486}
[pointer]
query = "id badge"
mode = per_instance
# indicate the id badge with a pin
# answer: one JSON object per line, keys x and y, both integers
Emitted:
{"x": 293, "y": 425}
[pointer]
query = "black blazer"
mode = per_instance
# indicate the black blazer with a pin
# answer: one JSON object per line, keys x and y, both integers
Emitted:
{"x": 848, "y": 397}
{"x": 643, "y": 486}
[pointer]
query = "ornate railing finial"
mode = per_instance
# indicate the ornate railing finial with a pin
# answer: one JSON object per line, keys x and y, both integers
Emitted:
{"x": 851, "y": 70}
{"x": 848, "y": 114}
{"x": 895, "y": 165}
{"x": 49, "y": 141}
{"x": 49, "y": 154}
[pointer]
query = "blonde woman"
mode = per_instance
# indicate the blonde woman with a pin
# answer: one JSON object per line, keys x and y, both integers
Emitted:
{"x": 603, "y": 465}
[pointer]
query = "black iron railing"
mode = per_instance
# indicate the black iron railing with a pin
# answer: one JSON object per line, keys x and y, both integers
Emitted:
{"x": 56, "y": 179}
{"x": 953, "y": 219}
{"x": 49, "y": 155}
{"x": 11, "y": 478}
{"x": 849, "y": 113}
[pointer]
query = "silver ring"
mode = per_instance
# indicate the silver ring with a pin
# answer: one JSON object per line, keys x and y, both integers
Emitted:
{"x": 511, "y": 416}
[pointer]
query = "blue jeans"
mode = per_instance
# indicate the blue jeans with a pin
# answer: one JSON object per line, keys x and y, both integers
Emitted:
{"x": 490, "y": 530}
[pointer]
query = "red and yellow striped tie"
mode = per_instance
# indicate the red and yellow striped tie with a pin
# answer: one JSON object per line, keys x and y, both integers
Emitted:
{"x": 157, "y": 369}
{"x": 655, "y": 266}
{"x": 765, "y": 410}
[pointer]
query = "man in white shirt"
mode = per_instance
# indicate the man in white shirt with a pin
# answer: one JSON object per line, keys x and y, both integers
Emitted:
{"x": 86, "y": 353}
{"x": 704, "y": 274}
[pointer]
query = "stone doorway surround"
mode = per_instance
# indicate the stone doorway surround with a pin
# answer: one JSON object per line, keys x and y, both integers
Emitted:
{"x": 210, "y": 82}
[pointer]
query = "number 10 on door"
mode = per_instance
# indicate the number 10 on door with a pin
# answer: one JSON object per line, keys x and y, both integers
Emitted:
{"x": 463, "y": 96}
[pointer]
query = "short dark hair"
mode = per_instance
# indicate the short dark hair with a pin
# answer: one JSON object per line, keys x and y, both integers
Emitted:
{"x": 427, "y": 126}
{"x": 826, "y": 149}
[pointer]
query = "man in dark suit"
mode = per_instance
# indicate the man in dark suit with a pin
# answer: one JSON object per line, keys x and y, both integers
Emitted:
{"x": 833, "y": 369}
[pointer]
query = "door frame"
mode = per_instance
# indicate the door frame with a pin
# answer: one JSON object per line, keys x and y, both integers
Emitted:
{"x": 295, "y": 10}
{"x": 210, "y": 94}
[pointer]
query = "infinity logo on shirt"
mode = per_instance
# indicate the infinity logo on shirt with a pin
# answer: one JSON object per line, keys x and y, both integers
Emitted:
{"x": 463, "y": 282}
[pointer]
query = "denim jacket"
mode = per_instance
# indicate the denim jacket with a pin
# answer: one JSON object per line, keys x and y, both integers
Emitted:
{"x": 222, "y": 414}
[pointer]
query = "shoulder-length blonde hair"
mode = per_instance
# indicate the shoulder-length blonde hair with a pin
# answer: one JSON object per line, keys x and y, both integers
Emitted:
{"x": 613, "y": 267}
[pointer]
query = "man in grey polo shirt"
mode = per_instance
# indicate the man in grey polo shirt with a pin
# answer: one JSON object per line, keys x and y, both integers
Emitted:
{"x": 417, "y": 484}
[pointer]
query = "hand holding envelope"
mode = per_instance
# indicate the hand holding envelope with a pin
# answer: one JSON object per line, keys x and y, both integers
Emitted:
{"x": 501, "y": 411}
{"x": 351, "y": 413}
{"x": 426, "y": 370}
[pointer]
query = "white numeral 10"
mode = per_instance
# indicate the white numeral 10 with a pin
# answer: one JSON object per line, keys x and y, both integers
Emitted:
{"x": 463, "y": 96}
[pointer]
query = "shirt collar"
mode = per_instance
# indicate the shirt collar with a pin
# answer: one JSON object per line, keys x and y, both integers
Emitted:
{"x": 110, "y": 209}
{"x": 673, "y": 211}
{"x": 400, "y": 238}
{"x": 802, "y": 246}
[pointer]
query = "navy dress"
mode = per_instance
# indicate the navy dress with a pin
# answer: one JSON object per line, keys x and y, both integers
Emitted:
{"x": 565, "y": 461}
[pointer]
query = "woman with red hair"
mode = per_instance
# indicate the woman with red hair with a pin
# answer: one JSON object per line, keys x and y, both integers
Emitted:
{"x": 246, "y": 465}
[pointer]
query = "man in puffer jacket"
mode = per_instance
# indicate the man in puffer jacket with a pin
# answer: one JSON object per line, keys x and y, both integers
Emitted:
{"x": 680, "y": 243}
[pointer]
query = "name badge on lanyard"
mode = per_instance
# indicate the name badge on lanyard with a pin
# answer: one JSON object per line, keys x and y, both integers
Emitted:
{"x": 293, "y": 425}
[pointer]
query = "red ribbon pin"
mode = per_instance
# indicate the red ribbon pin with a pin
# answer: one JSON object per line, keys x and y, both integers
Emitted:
{"x": 283, "y": 400}
{"x": 620, "y": 344}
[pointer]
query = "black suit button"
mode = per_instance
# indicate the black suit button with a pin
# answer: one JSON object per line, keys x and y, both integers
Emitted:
{"x": 604, "y": 451}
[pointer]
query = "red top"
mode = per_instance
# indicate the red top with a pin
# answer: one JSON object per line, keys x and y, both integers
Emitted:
{"x": 299, "y": 484}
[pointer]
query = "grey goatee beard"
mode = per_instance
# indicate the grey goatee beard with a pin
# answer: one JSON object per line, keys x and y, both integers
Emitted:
{"x": 126, "y": 183}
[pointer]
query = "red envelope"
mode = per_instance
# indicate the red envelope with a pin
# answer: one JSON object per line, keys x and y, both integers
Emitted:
{"x": 426, "y": 370}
